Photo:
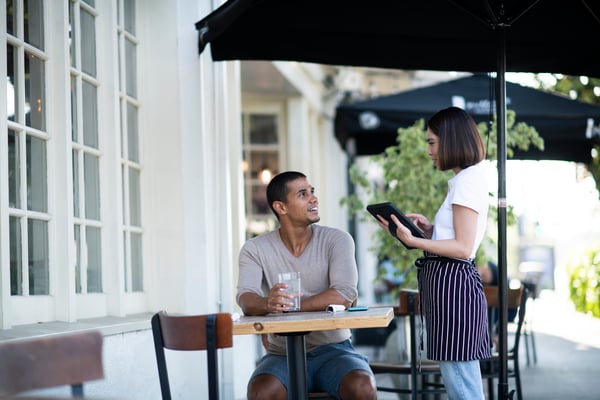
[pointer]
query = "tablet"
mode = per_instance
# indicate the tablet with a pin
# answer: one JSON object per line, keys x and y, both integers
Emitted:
{"x": 387, "y": 209}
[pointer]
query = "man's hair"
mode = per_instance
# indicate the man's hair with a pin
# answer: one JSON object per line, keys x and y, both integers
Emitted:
{"x": 460, "y": 144}
{"x": 277, "y": 189}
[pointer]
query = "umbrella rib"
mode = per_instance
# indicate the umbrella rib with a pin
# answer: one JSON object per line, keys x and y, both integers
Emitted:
{"x": 585, "y": 3}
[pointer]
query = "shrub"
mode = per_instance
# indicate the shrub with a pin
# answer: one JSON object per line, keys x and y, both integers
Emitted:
{"x": 584, "y": 281}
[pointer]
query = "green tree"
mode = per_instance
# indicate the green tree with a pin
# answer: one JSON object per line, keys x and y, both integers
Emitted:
{"x": 411, "y": 182}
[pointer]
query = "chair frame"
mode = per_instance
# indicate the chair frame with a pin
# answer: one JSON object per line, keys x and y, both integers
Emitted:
{"x": 191, "y": 333}
{"x": 408, "y": 307}
{"x": 516, "y": 298}
{"x": 42, "y": 363}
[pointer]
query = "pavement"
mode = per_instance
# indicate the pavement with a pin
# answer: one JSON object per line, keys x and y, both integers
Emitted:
{"x": 568, "y": 353}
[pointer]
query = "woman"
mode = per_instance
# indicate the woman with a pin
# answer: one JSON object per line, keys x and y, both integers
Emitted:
{"x": 450, "y": 287}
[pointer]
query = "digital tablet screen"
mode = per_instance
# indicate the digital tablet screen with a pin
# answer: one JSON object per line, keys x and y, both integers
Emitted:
{"x": 386, "y": 210}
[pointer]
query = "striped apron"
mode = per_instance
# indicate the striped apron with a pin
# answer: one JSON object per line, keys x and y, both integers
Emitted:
{"x": 455, "y": 309}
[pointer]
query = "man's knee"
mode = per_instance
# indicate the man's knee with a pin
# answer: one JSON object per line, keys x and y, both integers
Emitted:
{"x": 266, "y": 387}
{"x": 358, "y": 384}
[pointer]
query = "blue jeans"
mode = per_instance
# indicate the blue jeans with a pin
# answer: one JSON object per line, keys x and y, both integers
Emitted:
{"x": 326, "y": 366}
{"x": 462, "y": 380}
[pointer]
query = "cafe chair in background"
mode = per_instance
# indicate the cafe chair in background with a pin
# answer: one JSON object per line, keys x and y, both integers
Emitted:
{"x": 490, "y": 368}
{"x": 424, "y": 375}
{"x": 52, "y": 361}
{"x": 191, "y": 333}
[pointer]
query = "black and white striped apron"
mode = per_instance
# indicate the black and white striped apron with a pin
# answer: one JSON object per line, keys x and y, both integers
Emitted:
{"x": 455, "y": 309}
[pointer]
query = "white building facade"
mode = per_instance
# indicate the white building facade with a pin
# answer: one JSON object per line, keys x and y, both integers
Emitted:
{"x": 131, "y": 176}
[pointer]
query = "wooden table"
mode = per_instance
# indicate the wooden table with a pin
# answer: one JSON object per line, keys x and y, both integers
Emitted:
{"x": 297, "y": 324}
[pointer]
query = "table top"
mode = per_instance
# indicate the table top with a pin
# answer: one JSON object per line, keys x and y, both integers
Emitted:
{"x": 374, "y": 317}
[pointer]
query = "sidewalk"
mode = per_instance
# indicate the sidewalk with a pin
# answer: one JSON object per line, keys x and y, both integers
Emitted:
{"x": 568, "y": 354}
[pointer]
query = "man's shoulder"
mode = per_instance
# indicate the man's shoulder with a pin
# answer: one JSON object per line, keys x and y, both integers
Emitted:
{"x": 330, "y": 232}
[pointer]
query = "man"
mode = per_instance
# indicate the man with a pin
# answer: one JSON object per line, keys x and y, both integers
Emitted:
{"x": 325, "y": 257}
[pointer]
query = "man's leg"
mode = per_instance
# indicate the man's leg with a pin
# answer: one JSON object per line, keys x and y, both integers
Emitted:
{"x": 269, "y": 380}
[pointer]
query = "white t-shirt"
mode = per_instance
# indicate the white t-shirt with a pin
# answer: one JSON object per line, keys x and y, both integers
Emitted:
{"x": 468, "y": 188}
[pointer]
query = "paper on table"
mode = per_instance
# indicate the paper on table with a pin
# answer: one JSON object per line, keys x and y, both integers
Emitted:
{"x": 335, "y": 307}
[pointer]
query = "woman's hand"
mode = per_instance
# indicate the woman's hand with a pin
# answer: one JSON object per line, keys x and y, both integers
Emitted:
{"x": 422, "y": 223}
{"x": 402, "y": 233}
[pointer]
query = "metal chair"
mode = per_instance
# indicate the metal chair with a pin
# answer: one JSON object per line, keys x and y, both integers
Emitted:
{"x": 191, "y": 333}
{"x": 490, "y": 368}
{"x": 41, "y": 363}
{"x": 424, "y": 376}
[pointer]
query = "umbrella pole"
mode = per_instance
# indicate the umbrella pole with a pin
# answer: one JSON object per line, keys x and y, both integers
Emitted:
{"x": 502, "y": 244}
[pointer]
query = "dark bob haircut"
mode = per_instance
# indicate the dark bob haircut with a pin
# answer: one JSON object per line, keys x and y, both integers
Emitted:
{"x": 460, "y": 144}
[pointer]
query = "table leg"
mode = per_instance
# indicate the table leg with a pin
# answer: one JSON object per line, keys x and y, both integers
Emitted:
{"x": 296, "y": 358}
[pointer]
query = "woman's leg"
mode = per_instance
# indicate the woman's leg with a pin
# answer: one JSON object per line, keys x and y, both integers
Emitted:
{"x": 462, "y": 380}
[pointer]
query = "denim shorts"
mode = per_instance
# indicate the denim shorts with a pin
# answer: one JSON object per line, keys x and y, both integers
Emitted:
{"x": 325, "y": 366}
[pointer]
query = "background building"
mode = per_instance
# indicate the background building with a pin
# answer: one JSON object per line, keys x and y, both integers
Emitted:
{"x": 133, "y": 170}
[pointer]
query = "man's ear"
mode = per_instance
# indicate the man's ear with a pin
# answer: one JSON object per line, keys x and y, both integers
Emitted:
{"x": 279, "y": 207}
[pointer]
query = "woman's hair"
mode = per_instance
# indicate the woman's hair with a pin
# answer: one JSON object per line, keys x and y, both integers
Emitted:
{"x": 460, "y": 144}
{"x": 277, "y": 189}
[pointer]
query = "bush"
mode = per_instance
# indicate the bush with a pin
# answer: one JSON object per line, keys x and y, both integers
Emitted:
{"x": 584, "y": 282}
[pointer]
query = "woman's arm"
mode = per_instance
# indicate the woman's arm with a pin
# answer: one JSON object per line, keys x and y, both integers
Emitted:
{"x": 465, "y": 229}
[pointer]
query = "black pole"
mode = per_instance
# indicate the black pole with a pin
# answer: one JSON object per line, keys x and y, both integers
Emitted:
{"x": 502, "y": 268}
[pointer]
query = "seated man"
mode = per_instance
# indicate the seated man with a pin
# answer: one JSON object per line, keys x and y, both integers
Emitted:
{"x": 325, "y": 257}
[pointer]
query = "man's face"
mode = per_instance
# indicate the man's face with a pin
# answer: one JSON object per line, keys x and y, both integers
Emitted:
{"x": 302, "y": 204}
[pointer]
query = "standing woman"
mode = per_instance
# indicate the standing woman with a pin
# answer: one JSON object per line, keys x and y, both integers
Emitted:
{"x": 450, "y": 287}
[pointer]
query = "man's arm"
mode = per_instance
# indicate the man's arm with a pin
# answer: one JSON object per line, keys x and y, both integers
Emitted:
{"x": 319, "y": 302}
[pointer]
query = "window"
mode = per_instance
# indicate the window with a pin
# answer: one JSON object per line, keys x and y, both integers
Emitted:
{"x": 130, "y": 153}
{"x": 86, "y": 152}
{"x": 73, "y": 251}
{"x": 27, "y": 140}
{"x": 261, "y": 161}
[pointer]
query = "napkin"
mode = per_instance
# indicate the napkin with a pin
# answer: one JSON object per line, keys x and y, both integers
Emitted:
{"x": 335, "y": 307}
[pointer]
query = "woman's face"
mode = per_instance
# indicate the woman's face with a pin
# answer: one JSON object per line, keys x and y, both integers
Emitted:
{"x": 432, "y": 147}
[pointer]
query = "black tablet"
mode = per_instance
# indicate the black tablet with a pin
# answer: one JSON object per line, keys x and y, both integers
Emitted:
{"x": 387, "y": 209}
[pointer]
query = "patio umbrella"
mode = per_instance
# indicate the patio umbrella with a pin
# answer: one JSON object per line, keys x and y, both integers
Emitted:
{"x": 567, "y": 126}
{"x": 460, "y": 35}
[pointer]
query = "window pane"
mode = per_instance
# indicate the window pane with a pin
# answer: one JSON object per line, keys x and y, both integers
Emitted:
{"x": 90, "y": 115}
{"x": 130, "y": 68}
{"x": 263, "y": 129}
{"x": 37, "y": 232}
{"x": 11, "y": 15}
{"x": 33, "y": 13}
{"x": 92, "y": 186}
{"x": 34, "y": 92}
{"x": 16, "y": 261}
{"x": 132, "y": 133}
{"x": 77, "y": 238}
{"x": 125, "y": 258}
{"x": 90, "y": 2}
{"x": 94, "y": 260}
{"x": 88, "y": 43}
{"x": 260, "y": 205}
{"x": 37, "y": 186}
{"x": 74, "y": 109}
{"x": 263, "y": 165}
{"x": 12, "y": 92}
{"x": 76, "y": 188}
{"x": 135, "y": 214}
{"x": 129, "y": 6}
{"x": 137, "y": 273}
{"x": 72, "y": 36}
{"x": 14, "y": 170}
{"x": 123, "y": 188}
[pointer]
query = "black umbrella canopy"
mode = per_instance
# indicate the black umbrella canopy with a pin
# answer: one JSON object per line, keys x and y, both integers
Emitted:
{"x": 557, "y": 36}
{"x": 566, "y": 125}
